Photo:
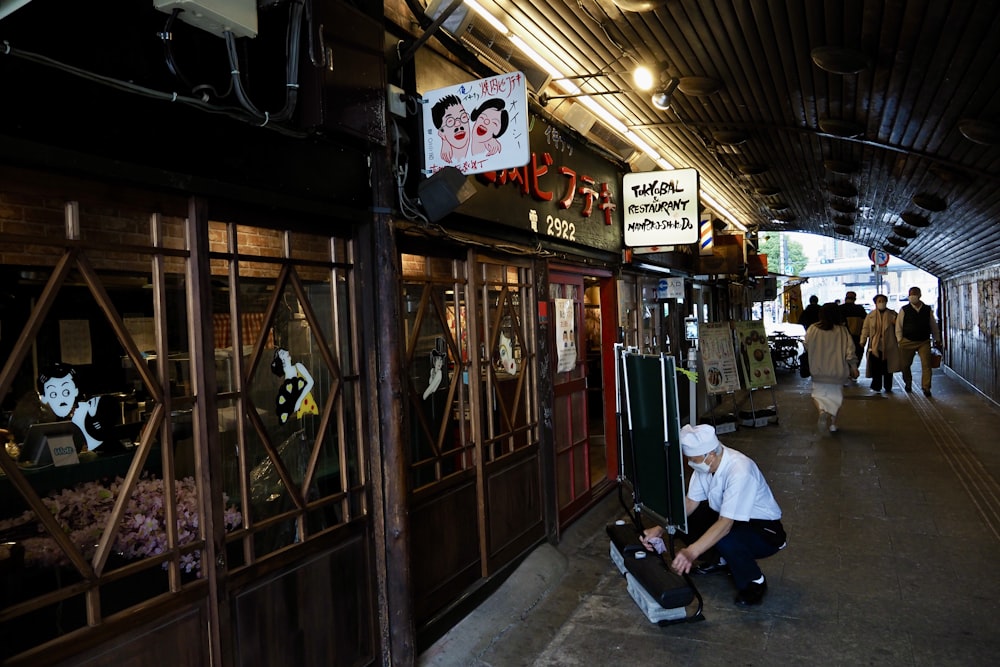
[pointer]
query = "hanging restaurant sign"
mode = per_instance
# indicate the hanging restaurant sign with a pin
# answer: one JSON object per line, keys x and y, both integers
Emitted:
{"x": 564, "y": 193}
{"x": 660, "y": 208}
{"x": 477, "y": 126}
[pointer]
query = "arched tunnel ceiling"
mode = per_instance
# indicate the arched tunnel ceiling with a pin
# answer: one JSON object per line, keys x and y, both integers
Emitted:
{"x": 899, "y": 150}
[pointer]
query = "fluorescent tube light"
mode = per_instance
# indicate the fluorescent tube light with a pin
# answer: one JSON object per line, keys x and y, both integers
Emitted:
{"x": 486, "y": 16}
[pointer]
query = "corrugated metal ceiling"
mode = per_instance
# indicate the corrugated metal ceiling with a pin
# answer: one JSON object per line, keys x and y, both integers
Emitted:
{"x": 876, "y": 156}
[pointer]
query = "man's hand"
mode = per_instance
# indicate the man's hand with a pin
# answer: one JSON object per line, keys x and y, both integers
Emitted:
{"x": 656, "y": 532}
{"x": 683, "y": 561}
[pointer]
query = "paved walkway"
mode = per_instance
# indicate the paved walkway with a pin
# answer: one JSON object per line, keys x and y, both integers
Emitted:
{"x": 893, "y": 527}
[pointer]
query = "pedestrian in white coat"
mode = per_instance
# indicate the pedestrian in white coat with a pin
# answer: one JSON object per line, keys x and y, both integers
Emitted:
{"x": 832, "y": 362}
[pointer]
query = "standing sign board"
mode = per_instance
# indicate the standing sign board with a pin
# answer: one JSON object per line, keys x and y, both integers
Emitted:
{"x": 718, "y": 358}
{"x": 660, "y": 208}
{"x": 755, "y": 354}
{"x": 477, "y": 126}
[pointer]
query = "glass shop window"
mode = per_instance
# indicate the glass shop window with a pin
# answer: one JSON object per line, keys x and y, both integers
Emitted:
{"x": 505, "y": 321}
{"x": 437, "y": 365}
{"x": 287, "y": 382}
{"x": 94, "y": 391}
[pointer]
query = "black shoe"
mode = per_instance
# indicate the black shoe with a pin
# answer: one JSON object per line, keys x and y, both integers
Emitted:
{"x": 927, "y": 392}
{"x": 710, "y": 568}
{"x": 888, "y": 391}
{"x": 907, "y": 387}
{"x": 752, "y": 595}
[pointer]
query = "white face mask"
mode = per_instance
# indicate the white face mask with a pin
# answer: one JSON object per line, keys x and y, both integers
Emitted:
{"x": 914, "y": 299}
{"x": 880, "y": 306}
{"x": 700, "y": 467}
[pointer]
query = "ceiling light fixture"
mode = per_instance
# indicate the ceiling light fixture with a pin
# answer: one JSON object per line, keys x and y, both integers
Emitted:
{"x": 645, "y": 77}
{"x": 661, "y": 98}
{"x": 486, "y": 16}
{"x": 536, "y": 58}
{"x": 980, "y": 131}
{"x": 840, "y": 59}
{"x": 544, "y": 98}
{"x": 638, "y": 5}
{"x": 699, "y": 86}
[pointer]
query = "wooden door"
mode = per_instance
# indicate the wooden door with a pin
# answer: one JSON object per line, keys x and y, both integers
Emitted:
{"x": 442, "y": 430}
{"x": 569, "y": 417}
{"x": 507, "y": 400}
{"x": 472, "y": 420}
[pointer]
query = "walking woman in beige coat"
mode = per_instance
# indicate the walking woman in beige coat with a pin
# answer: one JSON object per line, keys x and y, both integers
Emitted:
{"x": 879, "y": 333}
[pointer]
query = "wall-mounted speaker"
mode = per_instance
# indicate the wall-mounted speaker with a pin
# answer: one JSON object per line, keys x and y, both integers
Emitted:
{"x": 444, "y": 191}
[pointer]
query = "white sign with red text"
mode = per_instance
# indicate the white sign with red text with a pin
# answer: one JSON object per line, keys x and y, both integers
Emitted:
{"x": 660, "y": 208}
{"x": 477, "y": 126}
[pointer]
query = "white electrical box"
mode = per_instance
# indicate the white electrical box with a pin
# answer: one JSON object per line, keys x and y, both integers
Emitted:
{"x": 8, "y": 6}
{"x": 215, "y": 16}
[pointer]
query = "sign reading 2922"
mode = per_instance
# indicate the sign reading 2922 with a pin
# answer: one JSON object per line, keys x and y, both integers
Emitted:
{"x": 557, "y": 227}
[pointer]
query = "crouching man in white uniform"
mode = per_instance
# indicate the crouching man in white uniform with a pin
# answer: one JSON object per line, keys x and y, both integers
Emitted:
{"x": 739, "y": 524}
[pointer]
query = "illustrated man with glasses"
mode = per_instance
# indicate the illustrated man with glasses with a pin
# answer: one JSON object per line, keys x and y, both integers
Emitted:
{"x": 452, "y": 123}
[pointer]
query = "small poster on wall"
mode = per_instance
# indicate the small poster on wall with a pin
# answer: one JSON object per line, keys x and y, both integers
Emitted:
{"x": 565, "y": 335}
{"x": 718, "y": 358}
{"x": 755, "y": 354}
{"x": 74, "y": 342}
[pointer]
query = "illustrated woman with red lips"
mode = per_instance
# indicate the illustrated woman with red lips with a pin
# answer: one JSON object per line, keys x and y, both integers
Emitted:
{"x": 489, "y": 121}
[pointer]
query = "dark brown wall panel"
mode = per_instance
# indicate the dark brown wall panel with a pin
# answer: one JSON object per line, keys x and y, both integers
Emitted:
{"x": 176, "y": 640}
{"x": 513, "y": 495}
{"x": 445, "y": 545}
{"x": 319, "y": 613}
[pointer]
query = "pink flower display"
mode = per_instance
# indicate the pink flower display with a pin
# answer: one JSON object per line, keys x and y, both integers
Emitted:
{"x": 84, "y": 511}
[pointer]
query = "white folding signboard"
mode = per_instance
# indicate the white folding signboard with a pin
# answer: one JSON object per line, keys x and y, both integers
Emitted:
{"x": 660, "y": 208}
{"x": 477, "y": 126}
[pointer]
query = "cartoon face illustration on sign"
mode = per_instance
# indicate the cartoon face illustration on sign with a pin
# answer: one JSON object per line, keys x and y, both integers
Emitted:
{"x": 508, "y": 364}
{"x": 452, "y": 123}
{"x": 489, "y": 121}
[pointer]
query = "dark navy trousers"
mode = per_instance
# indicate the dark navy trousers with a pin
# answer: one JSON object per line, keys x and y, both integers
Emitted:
{"x": 745, "y": 543}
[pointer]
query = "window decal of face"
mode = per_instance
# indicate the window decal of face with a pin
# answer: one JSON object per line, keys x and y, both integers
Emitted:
{"x": 60, "y": 394}
{"x": 58, "y": 390}
{"x": 508, "y": 364}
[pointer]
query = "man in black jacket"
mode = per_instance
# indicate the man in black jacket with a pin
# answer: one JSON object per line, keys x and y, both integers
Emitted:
{"x": 914, "y": 328}
{"x": 810, "y": 315}
{"x": 852, "y": 315}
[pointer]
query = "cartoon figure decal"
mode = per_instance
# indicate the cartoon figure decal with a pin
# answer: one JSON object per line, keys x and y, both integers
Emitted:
{"x": 508, "y": 364}
{"x": 57, "y": 390}
{"x": 463, "y": 125}
{"x": 294, "y": 395}
{"x": 438, "y": 356}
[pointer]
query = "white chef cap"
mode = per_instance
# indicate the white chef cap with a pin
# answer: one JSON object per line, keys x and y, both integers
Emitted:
{"x": 698, "y": 440}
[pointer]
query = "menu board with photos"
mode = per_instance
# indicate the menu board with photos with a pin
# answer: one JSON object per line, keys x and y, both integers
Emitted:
{"x": 755, "y": 354}
{"x": 718, "y": 358}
